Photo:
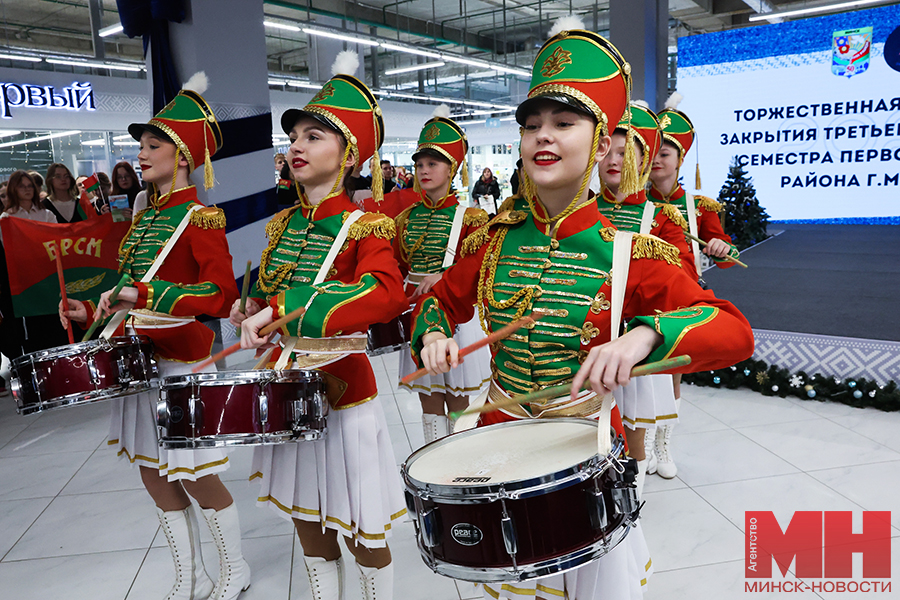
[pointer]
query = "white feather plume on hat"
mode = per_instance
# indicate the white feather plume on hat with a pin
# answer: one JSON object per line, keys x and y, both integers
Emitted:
{"x": 441, "y": 111}
{"x": 566, "y": 23}
{"x": 641, "y": 103}
{"x": 345, "y": 63}
{"x": 198, "y": 82}
{"x": 674, "y": 100}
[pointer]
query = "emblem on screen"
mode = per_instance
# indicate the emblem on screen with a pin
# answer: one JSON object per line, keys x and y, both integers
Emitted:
{"x": 850, "y": 51}
{"x": 466, "y": 534}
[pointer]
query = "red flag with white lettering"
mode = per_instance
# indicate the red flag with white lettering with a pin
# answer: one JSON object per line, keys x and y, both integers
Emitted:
{"x": 89, "y": 256}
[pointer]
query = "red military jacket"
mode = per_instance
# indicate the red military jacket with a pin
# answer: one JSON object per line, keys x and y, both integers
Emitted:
{"x": 363, "y": 287}
{"x": 709, "y": 227}
{"x": 516, "y": 265}
{"x": 196, "y": 278}
{"x": 667, "y": 224}
{"x": 423, "y": 234}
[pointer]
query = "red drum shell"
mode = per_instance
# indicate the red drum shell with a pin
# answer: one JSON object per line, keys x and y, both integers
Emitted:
{"x": 83, "y": 373}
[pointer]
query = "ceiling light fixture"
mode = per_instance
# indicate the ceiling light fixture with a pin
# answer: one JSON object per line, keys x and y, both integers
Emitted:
{"x": 111, "y": 30}
{"x": 340, "y": 36}
{"x": 20, "y": 57}
{"x": 421, "y": 67}
{"x": 284, "y": 26}
{"x": 813, "y": 9}
{"x": 39, "y": 138}
{"x": 94, "y": 65}
{"x": 411, "y": 50}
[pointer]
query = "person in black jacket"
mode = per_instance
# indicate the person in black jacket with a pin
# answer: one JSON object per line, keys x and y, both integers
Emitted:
{"x": 487, "y": 186}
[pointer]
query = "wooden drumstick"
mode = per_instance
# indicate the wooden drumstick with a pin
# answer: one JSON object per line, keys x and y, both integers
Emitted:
{"x": 702, "y": 243}
{"x": 62, "y": 290}
{"x": 498, "y": 335}
{"x": 562, "y": 390}
{"x": 245, "y": 288}
{"x": 274, "y": 325}
{"x": 112, "y": 300}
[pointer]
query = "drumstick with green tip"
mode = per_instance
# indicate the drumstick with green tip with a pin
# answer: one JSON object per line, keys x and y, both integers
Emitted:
{"x": 702, "y": 243}
{"x": 498, "y": 335}
{"x": 112, "y": 300}
{"x": 274, "y": 325}
{"x": 562, "y": 390}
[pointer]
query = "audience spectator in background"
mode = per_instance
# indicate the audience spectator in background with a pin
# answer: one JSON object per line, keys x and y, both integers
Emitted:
{"x": 62, "y": 195}
{"x": 39, "y": 182}
{"x": 125, "y": 181}
{"x": 487, "y": 191}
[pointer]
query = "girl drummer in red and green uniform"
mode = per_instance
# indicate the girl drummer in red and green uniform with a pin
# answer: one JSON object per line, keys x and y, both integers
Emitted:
{"x": 702, "y": 216}
{"x": 551, "y": 253}
{"x": 648, "y": 400}
{"x": 429, "y": 239}
{"x": 337, "y": 262}
{"x": 193, "y": 279}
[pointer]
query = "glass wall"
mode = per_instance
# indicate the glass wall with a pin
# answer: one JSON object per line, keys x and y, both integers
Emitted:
{"x": 84, "y": 152}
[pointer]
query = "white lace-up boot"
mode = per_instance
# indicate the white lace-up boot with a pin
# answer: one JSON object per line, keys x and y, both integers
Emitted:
{"x": 435, "y": 427}
{"x": 326, "y": 577}
{"x": 665, "y": 464}
{"x": 234, "y": 572}
{"x": 180, "y": 529}
{"x": 376, "y": 584}
{"x": 650, "y": 450}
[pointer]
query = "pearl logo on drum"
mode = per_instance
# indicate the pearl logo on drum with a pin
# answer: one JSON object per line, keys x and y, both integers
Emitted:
{"x": 175, "y": 414}
{"x": 466, "y": 534}
{"x": 471, "y": 479}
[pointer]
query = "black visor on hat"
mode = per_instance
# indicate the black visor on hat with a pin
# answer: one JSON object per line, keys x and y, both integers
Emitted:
{"x": 292, "y": 115}
{"x": 529, "y": 105}
{"x": 429, "y": 152}
{"x": 137, "y": 130}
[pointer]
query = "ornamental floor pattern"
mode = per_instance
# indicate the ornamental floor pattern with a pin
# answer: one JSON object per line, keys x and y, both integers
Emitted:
{"x": 75, "y": 523}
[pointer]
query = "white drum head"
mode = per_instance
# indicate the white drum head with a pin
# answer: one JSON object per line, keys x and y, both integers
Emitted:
{"x": 507, "y": 452}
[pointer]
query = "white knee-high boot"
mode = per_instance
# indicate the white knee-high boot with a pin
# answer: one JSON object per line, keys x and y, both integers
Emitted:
{"x": 641, "y": 477}
{"x": 665, "y": 465}
{"x": 234, "y": 572}
{"x": 650, "y": 450}
{"x": 326, "y": 577}
{"x": 435, "y": 427}
{"x": 377, "y": 584}
{"x": 181, "y": 530}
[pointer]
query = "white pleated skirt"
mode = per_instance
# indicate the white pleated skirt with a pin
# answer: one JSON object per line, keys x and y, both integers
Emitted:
{"x": 133, "y": 433}
{"x": 620, "y": 575}
{"x": 469, "y": 378}
{"x": 647, "y": 401}
{"x": 348, "y": 482}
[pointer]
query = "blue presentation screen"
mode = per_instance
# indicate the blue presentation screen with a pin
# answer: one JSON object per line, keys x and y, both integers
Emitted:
{"x": 810, "y": 107}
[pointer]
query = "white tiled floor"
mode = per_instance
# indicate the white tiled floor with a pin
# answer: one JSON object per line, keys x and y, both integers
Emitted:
{"x": 75, "y": 522}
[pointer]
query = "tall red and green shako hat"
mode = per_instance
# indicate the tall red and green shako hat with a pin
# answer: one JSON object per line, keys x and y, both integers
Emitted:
{"x": 442, "y": 136}
{"x": 586, "y": 72}
{"x": 346, "y": 105}
{"x": 190, "y": 123}
{"x": 678, "y": 130}
{"x": 647, "y": 132}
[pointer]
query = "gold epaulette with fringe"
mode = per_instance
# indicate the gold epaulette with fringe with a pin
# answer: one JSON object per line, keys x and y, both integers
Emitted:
{"x": 650, "y": 246}
{"x": 276, "y": 224}
{"x": 608, "y": 234}
{"x": 673, "y": 213}
{"x": 480, "y": 236}
{"x": 709, "y": 204}
{"x": 208, "y": 217}
{"x": 509, "y": 203}
{"x": 508, "y": 217}
{"x": 475, "y": 217}
{"x": 382, "y": 226}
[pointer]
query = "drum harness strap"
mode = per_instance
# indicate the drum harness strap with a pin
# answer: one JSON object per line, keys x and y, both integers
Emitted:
{"x": 647, "y": 217}
{"x": 452, "y": 243}
{"x": 150, "y": 274}
{"x": 348, "y": 344}
{"x": 620, "y": 266}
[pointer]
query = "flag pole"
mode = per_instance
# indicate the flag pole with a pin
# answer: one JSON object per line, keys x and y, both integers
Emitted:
{"x": 62, "y": 289}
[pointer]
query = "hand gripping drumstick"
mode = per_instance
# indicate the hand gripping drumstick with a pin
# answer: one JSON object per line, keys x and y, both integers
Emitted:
{"x": 562, "y": 390}
{"x": 291, "y": 316}
{"x": 498, "y": 335}
{"x": 112, "y": 300}
{"x": 702, "y": 243}
{"x": 62, "y": 290}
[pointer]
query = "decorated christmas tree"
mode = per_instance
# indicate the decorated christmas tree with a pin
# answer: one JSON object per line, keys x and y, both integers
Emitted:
{"x": 745, "y": 219}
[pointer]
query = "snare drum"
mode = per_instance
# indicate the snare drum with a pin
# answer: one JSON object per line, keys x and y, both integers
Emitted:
{"x": 518, "y": 500}
{"x": 82, "y": 373}
{"x": 233, "y": 408}
{"x": 388, "y": 337}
